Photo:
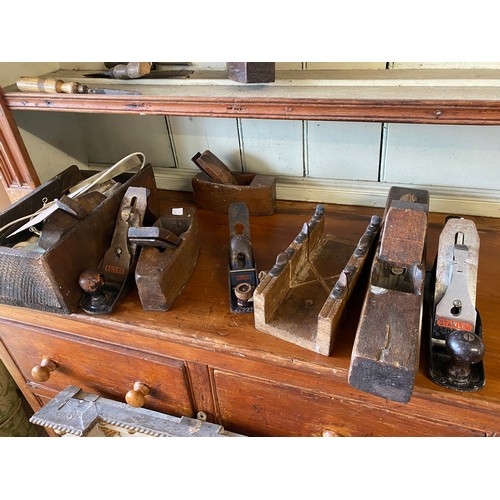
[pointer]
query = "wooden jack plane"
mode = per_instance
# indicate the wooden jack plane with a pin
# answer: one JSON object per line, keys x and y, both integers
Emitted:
{"x": 386, "y": 349}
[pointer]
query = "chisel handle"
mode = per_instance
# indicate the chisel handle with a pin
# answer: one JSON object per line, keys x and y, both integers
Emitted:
{"x": 47, "y": 85}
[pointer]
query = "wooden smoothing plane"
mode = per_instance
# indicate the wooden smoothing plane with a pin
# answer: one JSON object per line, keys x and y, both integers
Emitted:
{"x": 386, "y": 349}
{"x": 303, "y": 298}
{"x": 456, "y": 346}
{"x": 169, "y": 251}
{"x": 217, "y": 187}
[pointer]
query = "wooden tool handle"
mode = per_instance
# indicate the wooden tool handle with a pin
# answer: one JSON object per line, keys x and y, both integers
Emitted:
{"x": 47, "y": 85}
{"x": 130, "y": 70}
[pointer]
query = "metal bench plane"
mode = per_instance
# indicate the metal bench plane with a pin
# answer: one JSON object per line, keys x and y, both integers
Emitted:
{"x": 106, "y": 286}
{"x": 455, "y": 340}
{"x": 243, "y": 278}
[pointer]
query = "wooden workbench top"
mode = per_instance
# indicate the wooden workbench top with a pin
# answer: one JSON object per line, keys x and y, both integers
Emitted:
{"x": 201, "y": 318}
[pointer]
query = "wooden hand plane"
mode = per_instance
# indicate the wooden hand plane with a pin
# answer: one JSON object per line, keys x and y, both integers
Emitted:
{"x": 105, "y": 287}
{"x": 169, "y": 251}
{"x": 386, "y": 349}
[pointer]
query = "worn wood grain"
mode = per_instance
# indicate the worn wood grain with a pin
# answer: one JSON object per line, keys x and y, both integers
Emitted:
{"x": 162, "y": 272}
{"x": 257, "y": 191}
{"x": 50, "y": 279}
{"x": 385, "y": 355}
{"x": 257, "y": 376}
{"x": 16, "y": 168}
{"x": 303, "y": 297}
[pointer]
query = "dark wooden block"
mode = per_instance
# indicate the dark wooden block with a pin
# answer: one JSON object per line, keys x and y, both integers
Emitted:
{"x": 163, "y": 271}
{"x": 47, "y": 279}
{"x": 257, "y": 191}
{"x": 251, "y": 72}
{"x": 385, "y": 354}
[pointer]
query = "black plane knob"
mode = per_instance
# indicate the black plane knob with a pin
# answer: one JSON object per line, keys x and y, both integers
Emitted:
{"x": 465, "y": 349}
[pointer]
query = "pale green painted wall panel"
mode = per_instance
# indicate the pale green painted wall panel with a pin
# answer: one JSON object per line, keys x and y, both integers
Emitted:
{"x": 343, "y": 150}
{"x": 11, "y": 71}
{"x": 193, "y": 135}
{"x": 53, "y": 140}
{"x": 273, "y": 147}
{"x": 345, "y": 65}
{"x": 445, "y": 65}
{"x": 108, "y": 138}
{"x": 446, "y": 155}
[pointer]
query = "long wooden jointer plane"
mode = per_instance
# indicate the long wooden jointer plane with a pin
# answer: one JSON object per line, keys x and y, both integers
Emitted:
{"x": 385, "y": 354}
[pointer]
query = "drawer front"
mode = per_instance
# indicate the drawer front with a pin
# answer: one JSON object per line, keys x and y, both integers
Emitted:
{"x": 104, "y": 369}
{"x": 260, "y": 408}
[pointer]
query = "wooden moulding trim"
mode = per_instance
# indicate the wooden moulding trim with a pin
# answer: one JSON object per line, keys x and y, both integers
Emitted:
{"x": 16, "y": 167}
{"x": 464, "y": 112}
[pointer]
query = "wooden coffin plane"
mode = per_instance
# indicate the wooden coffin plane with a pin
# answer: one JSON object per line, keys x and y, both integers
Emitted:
{"x": 217, "y": 188}
{"x": 303, "y": 297}
{"x": 168, "y": 257}
{"x": 386, "y": 349}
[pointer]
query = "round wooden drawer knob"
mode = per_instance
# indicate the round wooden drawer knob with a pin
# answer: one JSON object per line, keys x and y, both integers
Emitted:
{"x": 137, "y": 396}
{"x": 41, "y": 372}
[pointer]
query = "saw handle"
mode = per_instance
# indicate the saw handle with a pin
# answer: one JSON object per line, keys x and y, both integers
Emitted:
{"x": 47, "y": 85}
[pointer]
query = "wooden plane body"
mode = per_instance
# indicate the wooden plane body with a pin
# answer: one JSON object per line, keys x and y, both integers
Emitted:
{"x": 386, "y": 349}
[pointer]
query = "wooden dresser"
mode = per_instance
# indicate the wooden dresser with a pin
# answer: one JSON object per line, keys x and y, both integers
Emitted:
{"x": 200, "y": 357}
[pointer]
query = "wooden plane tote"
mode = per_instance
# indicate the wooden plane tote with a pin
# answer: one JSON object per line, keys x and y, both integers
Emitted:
{"x": 303, "y": 297}
{"x": 386, "y": 349}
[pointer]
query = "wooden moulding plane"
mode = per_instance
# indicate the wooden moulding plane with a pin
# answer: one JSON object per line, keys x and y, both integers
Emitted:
{"x": 386, "y": 349}
{"x": 303, "y": 298}
{"x": 217, "y": 187}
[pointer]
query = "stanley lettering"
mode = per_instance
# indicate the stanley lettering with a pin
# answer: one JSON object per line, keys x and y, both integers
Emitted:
{"x": 243, "y": 277}
{"x": 455, "y": 325}
{"x": 114, "y": 269}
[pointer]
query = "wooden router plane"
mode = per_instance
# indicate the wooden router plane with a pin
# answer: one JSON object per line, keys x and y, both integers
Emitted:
{"x": 303, "y": 297}
{"x": 386, "y": 349}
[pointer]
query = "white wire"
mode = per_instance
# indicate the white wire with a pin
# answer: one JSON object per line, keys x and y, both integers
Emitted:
{"x": 95, "y": 179}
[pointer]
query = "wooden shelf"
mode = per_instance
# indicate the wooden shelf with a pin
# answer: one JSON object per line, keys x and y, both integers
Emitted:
{"x": 453, "y": 97}
{"x": 397, "y": 96}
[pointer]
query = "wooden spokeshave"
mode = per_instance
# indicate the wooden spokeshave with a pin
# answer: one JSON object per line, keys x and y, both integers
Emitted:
{"x": 386, "y": 349}
{"x": 303, "y": 298}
